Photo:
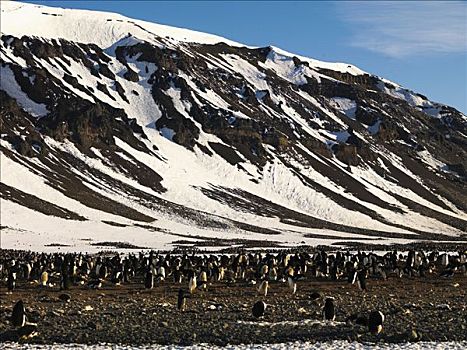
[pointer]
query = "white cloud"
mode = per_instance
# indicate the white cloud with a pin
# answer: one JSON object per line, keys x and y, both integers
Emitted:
{"x": 401, "y": 29}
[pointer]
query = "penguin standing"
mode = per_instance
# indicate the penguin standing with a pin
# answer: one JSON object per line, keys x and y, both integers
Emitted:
{"x": 263, "y": 288}
{"x": 258, "y": 309}
{"x": 149, "y": 280}
{"x": 65, "y": 281}
{"x": 192, "y": 283}
{"x": 292, "y": 284}
{"x": 329, "y": 310}
{"x": 11, "y": 281}
{"x": 44, "y": 278}
{"x": 161, "y": 274}
{"x": 203, "y": 279}
{"x": 181, "y": 302}
{"x": 18, "y": 316}
{"x": 375, "y": 322}
{"x": 361, "y": 280}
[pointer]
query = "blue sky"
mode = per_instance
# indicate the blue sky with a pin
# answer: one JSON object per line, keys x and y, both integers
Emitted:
{"x": 421, "y": 45}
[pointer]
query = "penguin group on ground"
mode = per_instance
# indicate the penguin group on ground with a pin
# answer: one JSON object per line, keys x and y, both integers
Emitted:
{"x": 194, "y": 273}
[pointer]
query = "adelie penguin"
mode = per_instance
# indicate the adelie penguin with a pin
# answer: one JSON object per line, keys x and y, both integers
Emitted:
{"x": 181, "y": 302}
{"x": 149, "y": 280}
{"x": 203, "y": 280}
{"x": 361, "y": 280}
{"x": 375, "y": 322}
{"x": 44, "y": 278}
{"x": 65, "y": 281}
{"x": 192, "y": 282}
{"x": 329, "y": 310}
{"x": 263, "y": 288}
{"x": 18, "y": 316}
{"x": 258, "y": 309}
{"x": 11, "y": 282}
{"x": 292, "y": 282}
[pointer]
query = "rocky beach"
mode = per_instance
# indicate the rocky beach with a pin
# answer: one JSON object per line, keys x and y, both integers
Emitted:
{"x": 429, "y": 308}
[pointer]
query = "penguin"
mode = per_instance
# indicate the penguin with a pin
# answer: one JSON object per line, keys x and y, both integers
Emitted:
{"x": 273, "y": 274}
{"x": 177, "y": 276}
{"x": 263, "y": 288}
{"x": 149, "y": 280}
{"x": 181, "y": 302}
{"x": 192, "y": 283}
{"x": 264, "y": 271}
{"x": 329, "y": 310}
{"x": 352, "y": 276}
{"x": 116, "y": 278}
{"x": 27, "y": 271}
{"x": 375, "y": 322}
{"x": 203, "y": 280}
{"x": 65, "y": 281}
{"x": 361, "y": 280}
{"x": 18, "y": 316}
{"x": 11, "y": 281}
{"x": 292, "y": 284}
{"x": 161, "y": 274}
{"x": 44, "y": 278}
{"x": 258, "y": 309}
{"x": 444, "y": 260}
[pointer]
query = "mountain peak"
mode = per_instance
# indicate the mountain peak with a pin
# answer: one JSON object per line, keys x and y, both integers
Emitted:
{"x": 116, "y": 129}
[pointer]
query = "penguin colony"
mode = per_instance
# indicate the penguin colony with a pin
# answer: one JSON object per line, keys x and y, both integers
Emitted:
{"x": 194, "y": 273}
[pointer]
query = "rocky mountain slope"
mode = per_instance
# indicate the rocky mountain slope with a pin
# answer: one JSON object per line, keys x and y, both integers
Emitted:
{"x": 119, "y": 130}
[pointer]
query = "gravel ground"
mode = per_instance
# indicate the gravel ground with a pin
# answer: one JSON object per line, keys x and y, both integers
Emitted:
{"x": 426, "y": 309}
{"x": 334, "y": 345}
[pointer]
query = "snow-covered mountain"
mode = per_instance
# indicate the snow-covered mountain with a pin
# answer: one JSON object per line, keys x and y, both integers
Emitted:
{"x": 119, "y": 130}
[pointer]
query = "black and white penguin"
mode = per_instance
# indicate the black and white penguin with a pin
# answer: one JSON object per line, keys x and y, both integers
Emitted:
{"x": 161, "y": 274}
{"x": 292, "y": 283}
{"x": 329, "y": 310}
{"x": 177, "y": 276}
{"x": 258, "y": 309}
{"x": 18, "y": 316}
{"x": 44, "y": 278}
{"x": 116, "y": 278}
{"x": 192, "y": 284}
{"x": 263, "y": 288}
{"x": 65, "y": 281}
{"x": 11, "y": 282}
{"x": 181, "y": 302}
{"x": 375, "y": 322}
{"x": 149, "y": 280}
{"x": 203, "y": 280}
{"x": 361, "y": 280}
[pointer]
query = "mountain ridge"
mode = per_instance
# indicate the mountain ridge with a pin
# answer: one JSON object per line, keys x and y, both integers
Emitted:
{"x": 147, "y": 141}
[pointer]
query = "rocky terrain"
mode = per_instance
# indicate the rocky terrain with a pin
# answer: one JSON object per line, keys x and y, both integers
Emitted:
{"x": 416, "y": 309}
{"x": 117, "y": 130}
